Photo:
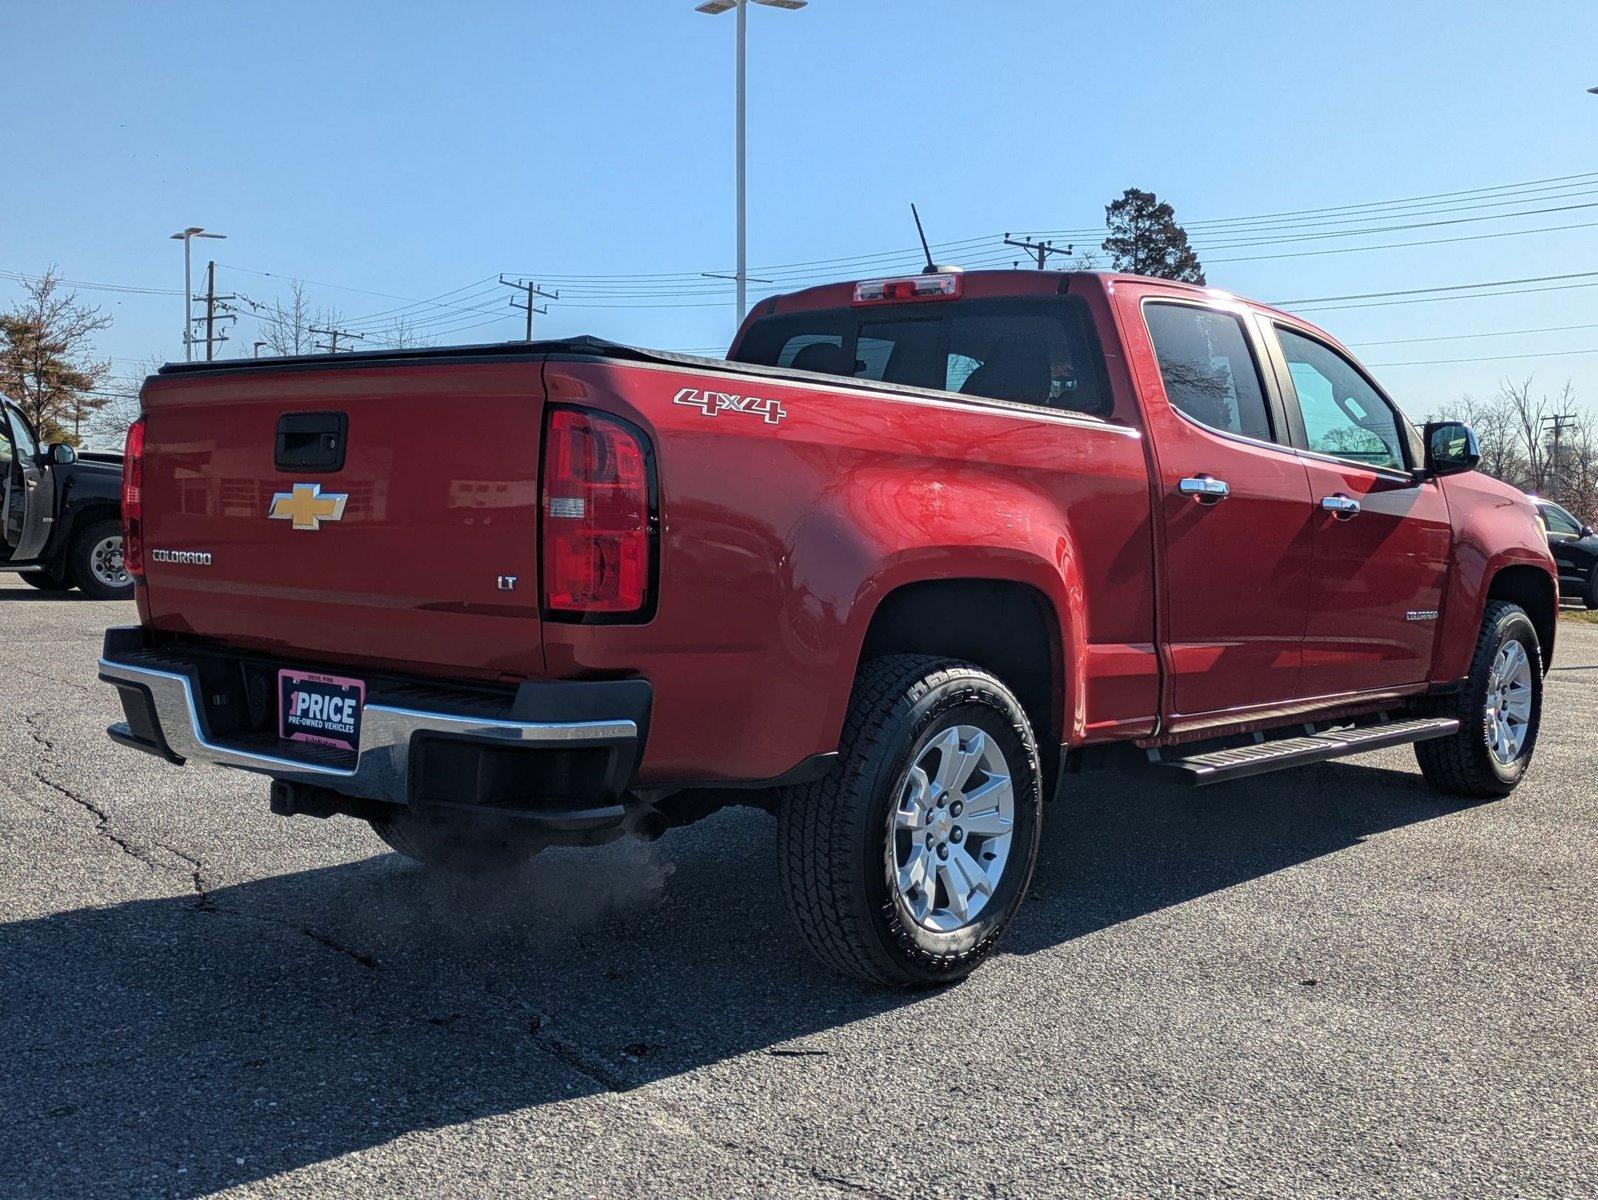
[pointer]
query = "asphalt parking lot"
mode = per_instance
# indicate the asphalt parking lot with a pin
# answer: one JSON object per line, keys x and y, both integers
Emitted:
{"x": 1328, "y": 983}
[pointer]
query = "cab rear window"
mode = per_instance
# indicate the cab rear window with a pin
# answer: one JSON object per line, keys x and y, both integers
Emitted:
{"x": 1026, "y": 350}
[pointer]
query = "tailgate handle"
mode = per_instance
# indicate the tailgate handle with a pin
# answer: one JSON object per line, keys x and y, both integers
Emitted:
{"x": 312, "y": 441}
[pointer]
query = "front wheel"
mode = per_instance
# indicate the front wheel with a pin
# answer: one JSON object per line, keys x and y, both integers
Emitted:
{"x": 1499, "y": 710}
{"x": 1590, "y": 596}
{"x": 907, "y": 863}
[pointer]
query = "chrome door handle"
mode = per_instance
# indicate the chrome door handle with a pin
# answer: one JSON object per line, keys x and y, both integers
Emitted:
{"x": 1340, "y": 506}
{"x": 1204, "y": 489}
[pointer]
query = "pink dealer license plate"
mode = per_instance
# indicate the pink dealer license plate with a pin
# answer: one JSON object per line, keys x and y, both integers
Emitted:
{"x": 325, "y": 709}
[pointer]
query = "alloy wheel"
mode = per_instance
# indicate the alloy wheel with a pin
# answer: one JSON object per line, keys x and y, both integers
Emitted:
{"x": 1506, "y": 715}
{"x": 950, "y": 831}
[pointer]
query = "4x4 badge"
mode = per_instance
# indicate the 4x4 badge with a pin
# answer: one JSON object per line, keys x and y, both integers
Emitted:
{"x": 306, "y": 506}
{"x": 711, "y": 403}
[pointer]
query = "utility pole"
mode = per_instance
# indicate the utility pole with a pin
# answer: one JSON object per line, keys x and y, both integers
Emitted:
{"x": 1559, "y": 423}
{"x": 333, "y": 336}
{"x": 534, "y": 292}
{"x": 1041, "y": 249}
{"x": 215, "y": 310}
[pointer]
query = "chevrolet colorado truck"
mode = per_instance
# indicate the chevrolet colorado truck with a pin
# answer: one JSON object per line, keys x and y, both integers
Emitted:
{"x": 59, "y": 523}
{"x": 917, "y": 552}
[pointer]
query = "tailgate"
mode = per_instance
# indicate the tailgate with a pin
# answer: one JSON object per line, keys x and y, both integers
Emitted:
{"x": 416, "y": 552}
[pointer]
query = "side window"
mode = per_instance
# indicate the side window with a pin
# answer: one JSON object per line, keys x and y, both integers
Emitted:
{"x": 1038, "y": 357}
{"x": 1559, "y": 521}
{"x": 1032, "y": 350}
{"x": 907, "y": 351}
{"x": 24, "y": 446}
{"x": 1343, "y": 414}
{"x": 815, "y": 352}
{"x": 1209, "y": 371}
{"x": 6, "y": 455}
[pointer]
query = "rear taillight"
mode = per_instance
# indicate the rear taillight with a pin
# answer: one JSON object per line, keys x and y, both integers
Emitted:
{"x": 597, "y": 540}
{"x": 133, "y": 500}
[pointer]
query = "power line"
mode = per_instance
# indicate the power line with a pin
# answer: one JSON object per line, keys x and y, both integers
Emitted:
{"x": 1471, "y": 337}
{"x": 1433, "y": 362}
{"x": 1456, "y": 287}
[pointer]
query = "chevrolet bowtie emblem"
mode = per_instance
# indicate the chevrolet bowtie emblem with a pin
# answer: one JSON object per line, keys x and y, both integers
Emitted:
{"x": 306, "y": 506}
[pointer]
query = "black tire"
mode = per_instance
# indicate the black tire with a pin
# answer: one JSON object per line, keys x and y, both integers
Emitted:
{"x": 452, "y": 846}
{"x": 833, "y": 835}
{"x": 1461, "y": 764}
{"x": 81, "y": 566}
{"x": 45, "y": 581}
{"x": 1590, "y": 596}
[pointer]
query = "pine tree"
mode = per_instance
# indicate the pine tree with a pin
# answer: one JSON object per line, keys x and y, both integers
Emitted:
{"x": 1146, "y": 240}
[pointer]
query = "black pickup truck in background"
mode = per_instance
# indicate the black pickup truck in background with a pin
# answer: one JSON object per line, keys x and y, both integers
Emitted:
{"x": 60, "y": 513}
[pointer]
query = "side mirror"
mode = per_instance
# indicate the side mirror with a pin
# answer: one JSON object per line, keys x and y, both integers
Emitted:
{"x": 60, "y": 454}
{"x": 1586, "y": 531}
{"x": 1451, "y": 447}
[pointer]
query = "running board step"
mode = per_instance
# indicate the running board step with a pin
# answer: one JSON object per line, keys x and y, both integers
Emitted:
{"x": 1217, "y": 766}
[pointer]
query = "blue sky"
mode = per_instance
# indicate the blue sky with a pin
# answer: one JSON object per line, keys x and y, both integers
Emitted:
{"x": 410, "y": 149}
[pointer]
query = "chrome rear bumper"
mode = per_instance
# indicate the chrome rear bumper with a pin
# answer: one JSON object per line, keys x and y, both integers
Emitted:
{"x": 166, "y": 718}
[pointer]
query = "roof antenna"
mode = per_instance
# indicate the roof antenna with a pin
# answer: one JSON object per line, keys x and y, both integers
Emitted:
{"x": 925, "y": 249}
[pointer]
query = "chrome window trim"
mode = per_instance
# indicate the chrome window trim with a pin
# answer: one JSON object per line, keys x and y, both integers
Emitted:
{"x": 1392, "y": 473}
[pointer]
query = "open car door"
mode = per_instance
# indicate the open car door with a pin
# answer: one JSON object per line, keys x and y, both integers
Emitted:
{"x": 28, "y": 508}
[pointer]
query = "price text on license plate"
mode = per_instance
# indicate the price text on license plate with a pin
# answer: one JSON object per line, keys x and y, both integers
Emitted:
{"x": 325, "y": 709}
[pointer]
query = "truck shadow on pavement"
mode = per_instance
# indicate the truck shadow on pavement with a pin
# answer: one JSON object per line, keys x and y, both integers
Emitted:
{"x": 177, "y": 1046}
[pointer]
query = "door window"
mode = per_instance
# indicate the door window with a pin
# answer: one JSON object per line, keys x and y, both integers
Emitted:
{"x": 25, "y": 446}
{"x": 1558, "y": 521}
{"x": 1209, "y": 371}
{"x": 1344, "y": 415}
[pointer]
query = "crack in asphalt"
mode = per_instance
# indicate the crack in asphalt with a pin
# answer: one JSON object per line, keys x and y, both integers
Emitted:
{"x": 584, "y": 1060}
{"x": 102, "y": 819}
{"x": 195, "y": 872}
{"x": 316, "y": 935}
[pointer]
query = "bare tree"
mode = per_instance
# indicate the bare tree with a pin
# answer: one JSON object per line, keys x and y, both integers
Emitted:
{"x": 286, "y": 325}
{"x": 1526, "y": 413}
{"x": 1497, "y": 429}
{"x": 1084, "y": 260}
{"x": 1578, "y": 466}
{"x": 402, "y": 333}
{"x": 46, "y": 358}
{"x": 109, "y": 428}
{"x": 1517, "y": 447}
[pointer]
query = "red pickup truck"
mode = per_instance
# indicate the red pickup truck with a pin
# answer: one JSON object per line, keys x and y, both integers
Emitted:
{"x": 914, "y": 554}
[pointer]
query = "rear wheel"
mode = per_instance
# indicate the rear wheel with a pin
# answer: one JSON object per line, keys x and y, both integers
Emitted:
{"x": 94, "y": 563}
{"x": 451, "y": 846}
{"x": 45, "y": 581}
{"x": 907, "y": 863}
{"x": 1499, "y": 710}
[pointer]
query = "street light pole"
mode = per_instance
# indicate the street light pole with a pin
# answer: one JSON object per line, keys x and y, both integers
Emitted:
{"x": 193, "y": 231}
{"x": 743, "y": 261}
{"x": 715, "y": 8}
